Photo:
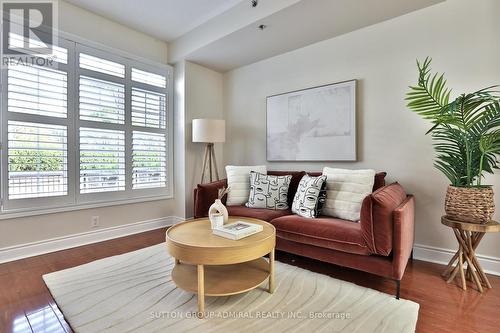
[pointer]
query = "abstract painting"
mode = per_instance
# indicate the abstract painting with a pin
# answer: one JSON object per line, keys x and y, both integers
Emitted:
{"x": 315, "y": 124}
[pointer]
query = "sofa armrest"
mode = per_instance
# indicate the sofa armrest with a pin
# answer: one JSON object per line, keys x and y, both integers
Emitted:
{"x": 404, "y": 233}
{"x": 205, "y": 195}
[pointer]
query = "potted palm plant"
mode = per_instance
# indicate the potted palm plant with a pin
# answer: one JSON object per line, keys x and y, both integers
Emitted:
{"x": 466, "y": 134}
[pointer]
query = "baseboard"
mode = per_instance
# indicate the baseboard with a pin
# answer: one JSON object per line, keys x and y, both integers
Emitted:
{"x": 438, "y": 255}
{"x": 61, "y": 243}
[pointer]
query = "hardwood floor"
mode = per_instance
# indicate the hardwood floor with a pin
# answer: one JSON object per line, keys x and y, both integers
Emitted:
{"x": 27, "y": 306}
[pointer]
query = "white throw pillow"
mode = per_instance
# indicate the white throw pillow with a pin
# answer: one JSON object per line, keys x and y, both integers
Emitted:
{"x": 345, "y": 191}
{"x": 238, "y": 182}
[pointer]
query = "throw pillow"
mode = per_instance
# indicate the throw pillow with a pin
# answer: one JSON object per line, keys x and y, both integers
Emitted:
{"x": 238, "y": 182}
{"x": 345, "y": 191}
{"x": 268, "y": 191}
{"x": 308, "y": 198}
{"x": 294, "y": 183}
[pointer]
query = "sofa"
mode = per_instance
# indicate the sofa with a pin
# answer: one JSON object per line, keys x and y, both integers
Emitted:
{"x": 380, "y": 243}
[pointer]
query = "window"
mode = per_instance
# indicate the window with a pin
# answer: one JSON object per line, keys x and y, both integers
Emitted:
{"x": 37, "y": 90}
{"x": 148, "y": 78}
{"x": 37, "y": 158}
{"x": 93, "y": 129}
{"x": 148, "y": 160}
{"x": 148, "y": 109}
{"x": 102, "y": 101}
{"x": 101, "y": 65}
{"x": 102, "y": 160}
{"x": 17, "y": 41}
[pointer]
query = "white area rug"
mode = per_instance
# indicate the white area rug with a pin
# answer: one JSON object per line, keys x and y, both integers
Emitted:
{"x": 133, "y": 292}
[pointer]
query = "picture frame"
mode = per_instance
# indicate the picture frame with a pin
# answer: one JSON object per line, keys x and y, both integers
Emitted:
{"x": 312, "y": 124}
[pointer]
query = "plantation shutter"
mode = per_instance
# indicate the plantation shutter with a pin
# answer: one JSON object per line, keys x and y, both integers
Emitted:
{"x": 148, "y": 108}
{"x": 102, "y": 133}
{"x": 150, "y": 136}
{"x": 102, "y": 160}
{"x": 101, "y": 65}
{"x": 37, "y": 158}
{"x": 149, "y": 78}
{"x": 37, "y": 90}
{"x": 149, "y": 160}
{"x": 101, "y": 100}
{"x": 83, "y": 127}
{"x": 35, "y": 125}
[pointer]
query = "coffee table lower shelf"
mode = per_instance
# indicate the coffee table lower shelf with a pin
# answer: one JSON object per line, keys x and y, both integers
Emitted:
{"x": 223, "y": 280}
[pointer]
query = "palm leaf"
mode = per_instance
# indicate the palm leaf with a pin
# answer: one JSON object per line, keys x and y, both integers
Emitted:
{"x": 466, "y": 131}
{"x": 430, "y": 95}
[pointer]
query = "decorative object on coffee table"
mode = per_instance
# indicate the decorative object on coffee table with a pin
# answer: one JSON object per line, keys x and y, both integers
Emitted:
{"x": 466, "y": 133}
{"x": 217, "y": 210}
{"x": 209, "y": 131}
{"x": 468, "y": 235}
{"x": 210, "y": 265}
{"x": 313, "y": 124}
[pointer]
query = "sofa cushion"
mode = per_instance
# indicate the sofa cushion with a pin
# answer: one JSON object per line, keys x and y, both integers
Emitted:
{"x": 378, "y": 182}
{"x": 268, "y": 191}
{"x": 325, "y": 232}
{"x": 205, "y": 195}
{"x": 384, "y": 201}
{"x": 238, "y": 182}
{"x": 257, "y": 213}
{"x": 294, "y": 183}
{"x": 345, "y": 191}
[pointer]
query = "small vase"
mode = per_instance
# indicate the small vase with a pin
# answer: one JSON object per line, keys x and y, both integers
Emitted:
{"x": 215, "y": 210}
{"x": 216, "y": 220}
{"x": 470, "y": 204}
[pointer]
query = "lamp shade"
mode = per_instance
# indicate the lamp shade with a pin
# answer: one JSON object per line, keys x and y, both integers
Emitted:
{"x": 209, "y": 130}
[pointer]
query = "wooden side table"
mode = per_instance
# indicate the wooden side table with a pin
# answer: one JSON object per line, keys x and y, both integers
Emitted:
{"x": 469, "y": 236}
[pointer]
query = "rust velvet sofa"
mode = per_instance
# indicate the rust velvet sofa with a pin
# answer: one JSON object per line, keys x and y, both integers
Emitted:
{"x": 380, "y": 243}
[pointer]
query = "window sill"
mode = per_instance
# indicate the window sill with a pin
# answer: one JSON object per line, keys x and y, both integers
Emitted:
{"x": 42, "y": 211}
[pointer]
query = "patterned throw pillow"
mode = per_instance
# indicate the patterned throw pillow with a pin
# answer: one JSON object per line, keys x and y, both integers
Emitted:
{"x": 310, "y": 196}
{"x": 268, "y": 191}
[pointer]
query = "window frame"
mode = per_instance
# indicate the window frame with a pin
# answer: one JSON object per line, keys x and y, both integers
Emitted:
{"x": 75, "y": 200}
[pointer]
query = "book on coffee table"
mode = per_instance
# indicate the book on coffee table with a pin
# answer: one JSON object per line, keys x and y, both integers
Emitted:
{"x": 237, "y": 230}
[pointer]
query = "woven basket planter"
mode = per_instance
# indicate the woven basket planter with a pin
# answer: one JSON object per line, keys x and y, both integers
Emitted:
{"x": 469, "y": 204}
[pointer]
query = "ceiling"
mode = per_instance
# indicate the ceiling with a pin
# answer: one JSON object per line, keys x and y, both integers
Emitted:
{"x": 298, "y": 25}
{"x": 164, "y": 19}
{"x": 224, "y": 34}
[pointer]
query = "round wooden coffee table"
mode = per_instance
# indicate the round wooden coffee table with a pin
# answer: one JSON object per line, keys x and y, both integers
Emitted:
{"x": 211, "y": 265}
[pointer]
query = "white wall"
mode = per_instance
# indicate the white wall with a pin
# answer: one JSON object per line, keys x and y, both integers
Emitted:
{"x": 180, "y": 138}
{"x": 203, "y": 99}
{"x": 91, "y": 26}
{"x": 461, "y": 36}
{"x": 87, "y": 25}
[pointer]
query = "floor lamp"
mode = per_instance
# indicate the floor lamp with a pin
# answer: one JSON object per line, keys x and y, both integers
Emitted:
{"x": 209, "y": 131}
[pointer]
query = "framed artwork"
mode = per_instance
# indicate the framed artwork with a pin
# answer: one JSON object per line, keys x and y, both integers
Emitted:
{"x": 314, "y": 124}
